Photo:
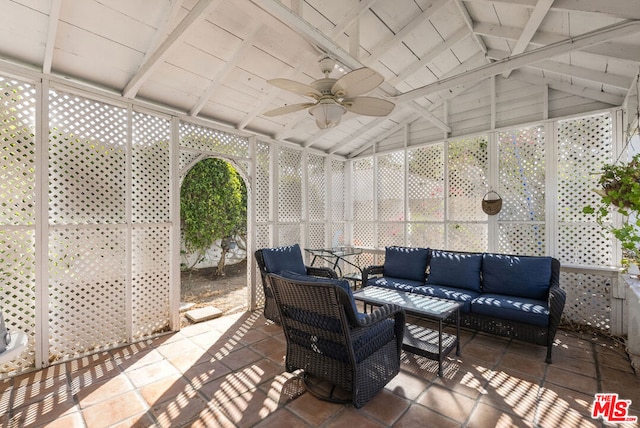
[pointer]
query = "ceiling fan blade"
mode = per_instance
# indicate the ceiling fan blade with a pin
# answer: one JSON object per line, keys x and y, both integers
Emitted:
{"x": 296, "y": 87}
{"x": 357, "y": 82}
{"x": 287, "y": 109}
{"x": 369, "y": 106}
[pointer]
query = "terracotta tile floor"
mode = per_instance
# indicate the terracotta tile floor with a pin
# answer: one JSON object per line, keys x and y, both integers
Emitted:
{"x": 230, "y": 372}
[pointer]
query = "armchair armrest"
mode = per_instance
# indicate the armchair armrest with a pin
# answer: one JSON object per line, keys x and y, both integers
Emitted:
{"x": 324, "y": 272}
{"x": 371, "y": 271}
{"x": 385, "y": 312}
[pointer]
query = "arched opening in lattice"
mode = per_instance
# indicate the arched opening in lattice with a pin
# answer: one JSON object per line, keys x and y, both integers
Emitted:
{"x": 213, "y": 231}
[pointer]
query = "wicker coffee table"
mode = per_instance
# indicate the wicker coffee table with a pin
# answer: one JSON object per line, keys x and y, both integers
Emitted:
{"x": 420, "y": 340}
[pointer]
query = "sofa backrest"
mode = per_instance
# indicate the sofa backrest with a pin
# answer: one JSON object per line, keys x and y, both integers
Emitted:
{"x": 455, "y": 269}
{"x": 405, "y": 262}
{"x": 518, "y": 276}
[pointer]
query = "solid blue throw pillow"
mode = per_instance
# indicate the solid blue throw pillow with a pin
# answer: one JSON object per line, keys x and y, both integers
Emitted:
{"x": 405, "y": 262}
{"x": 287, "y": 258}
{"x": 455, "y": 270}
{"x": 519, "y": 276}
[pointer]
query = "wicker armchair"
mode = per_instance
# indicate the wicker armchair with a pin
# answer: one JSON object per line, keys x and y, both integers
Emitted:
{"x": 345, "y": 356}
{"x": 277, "y": 260}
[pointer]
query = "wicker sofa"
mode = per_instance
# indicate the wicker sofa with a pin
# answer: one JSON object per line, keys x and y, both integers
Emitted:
{"x": 507, "y": 295}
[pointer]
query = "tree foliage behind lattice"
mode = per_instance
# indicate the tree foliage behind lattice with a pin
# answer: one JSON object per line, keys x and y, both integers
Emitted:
{"x": 213, "y": 206}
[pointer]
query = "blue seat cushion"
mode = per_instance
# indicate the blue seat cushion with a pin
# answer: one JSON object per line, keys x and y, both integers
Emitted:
{"x": 457, "y": 270}
{"x": 394, "y": 283}
{"x": 277, "y": 260}
{"x": 461, "y": 295}
{"x": 405, "y": 262}
{"x": 366, "y": 341}
{"x": 342, "y": 283}
{"x": 527, "y": 311}
{"x": 518, "y": 276}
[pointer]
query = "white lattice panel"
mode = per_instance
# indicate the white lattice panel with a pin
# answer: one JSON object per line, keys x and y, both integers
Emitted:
{"x": 17, "y": 214}
{"x": 522, "y": 174}
{"x": 150, "y": 169}
{"x": 288, "y": 234}
{"x": 467, "y": 179}
{"x": 467, "y": 237}
{"x": 316, "y": 188}
{"x": 390, "y": 234}
{"x": 17, "y": 152}
{"x": 584, "y": 144}
{"x": 338, "y": 190}
{"x": 584, "y": 244}
{"x": 150, "y": 282}
{"x": 289, "y": 186}
{"x": 588, "y": 300}
{"x": 425, "y": 235}
{"x": 86, "y": 289}
{"x": 316, "y": 235}
{"x": 213, "y": 141}
{"x": 364, "y": 235}
{"x": 187, "y": 158}
{"x": 87, "y": 161}
{"x": 390, "y": 187}
{"x": 523, "y": 239}
{"x": 263, "y": 240}
{"x": 362, "y": 190}
{"x": 425, "y": 191}
{"x": 17, "y": 289}
{"x": 262, "y": 191}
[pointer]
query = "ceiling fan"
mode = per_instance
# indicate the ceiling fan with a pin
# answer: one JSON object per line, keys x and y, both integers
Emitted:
{"x": 334, "y": 97}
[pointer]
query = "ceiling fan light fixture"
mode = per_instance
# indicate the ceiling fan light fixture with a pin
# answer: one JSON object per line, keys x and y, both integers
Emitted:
{"x": 327, "y": 115}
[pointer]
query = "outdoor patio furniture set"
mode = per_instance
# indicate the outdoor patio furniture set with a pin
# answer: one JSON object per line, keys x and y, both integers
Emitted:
{"x": 507, "y": 295}
{"x": 349, "y": 356}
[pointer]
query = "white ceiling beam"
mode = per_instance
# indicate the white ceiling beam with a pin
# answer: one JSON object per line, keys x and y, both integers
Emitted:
{"x": 314, "y": 36}
{"x": 524, "y": 59}
{"x": 195, "y": 16}
{"x": 354, "y": 14}
{"x": 513, "y": 33}
{"x": 397, "y": 38}
{"x": 620, "y": 82}
{"x": 458, "y": 36}
{"x": 580, "y": 91}
{"x": 626, "y": 9}
{"x": 621, "y": 51}
{"x": 429, "y": 116}
{"x": 52, "y": 30}
{"x": 222, "y": 74}
{"x": 396, "y": 128}
{"x": 469, "y": 22}
{"x": 164, "y": 28}
{"x": 530, "y": 29}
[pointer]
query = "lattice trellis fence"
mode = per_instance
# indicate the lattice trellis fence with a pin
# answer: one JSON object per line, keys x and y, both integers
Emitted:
{"x": 17, "y": 212}
{"x": 443, "y": 209}
{"x": 100, "y": 268}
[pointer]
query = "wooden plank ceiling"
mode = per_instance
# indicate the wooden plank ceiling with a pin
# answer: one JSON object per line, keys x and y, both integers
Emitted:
{"x": 452, "y": 67}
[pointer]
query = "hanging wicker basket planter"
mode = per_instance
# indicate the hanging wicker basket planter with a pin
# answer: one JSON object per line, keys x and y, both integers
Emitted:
{"x": 491, "y": 206}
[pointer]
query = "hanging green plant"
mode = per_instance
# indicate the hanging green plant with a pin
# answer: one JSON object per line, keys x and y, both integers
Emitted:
{"x": 620, "y": 192}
